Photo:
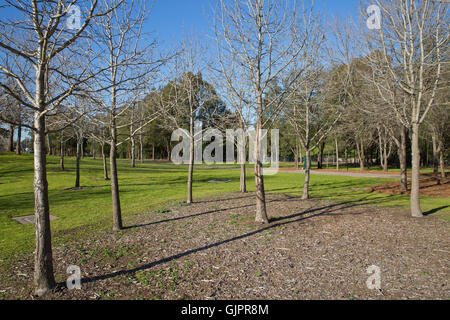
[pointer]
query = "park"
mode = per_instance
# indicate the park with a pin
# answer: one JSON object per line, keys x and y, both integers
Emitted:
{"x": 276, "y": 151}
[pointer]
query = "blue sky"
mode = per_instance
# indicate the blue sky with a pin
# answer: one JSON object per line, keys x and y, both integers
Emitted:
{"x": 170, "y": 17}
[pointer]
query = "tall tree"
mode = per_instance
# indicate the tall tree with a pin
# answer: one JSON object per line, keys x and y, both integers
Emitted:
{"x": 410, "y": 41}
{"x": 40, "y": 39}
{"x": 258, "y": 41}
{"x": 127, "y": 66}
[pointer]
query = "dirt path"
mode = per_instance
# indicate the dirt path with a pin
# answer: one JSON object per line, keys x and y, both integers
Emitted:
{"x": 329, "y": 172}
{"x": 212, "y": 250}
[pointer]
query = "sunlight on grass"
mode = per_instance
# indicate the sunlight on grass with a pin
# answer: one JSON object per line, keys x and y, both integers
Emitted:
{"x": 147, "y": 187}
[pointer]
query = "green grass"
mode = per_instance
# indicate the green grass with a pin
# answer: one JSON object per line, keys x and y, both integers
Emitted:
{"x": 342, "y": 167}
{"x": 148, "y": 188}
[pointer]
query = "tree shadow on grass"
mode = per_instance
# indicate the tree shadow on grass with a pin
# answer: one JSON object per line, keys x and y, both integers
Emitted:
{"x": 226, "y": 199}
{"x": 297, "y": 217}
{"x": 430, "y": 212}
{"x": 205, "y": 213}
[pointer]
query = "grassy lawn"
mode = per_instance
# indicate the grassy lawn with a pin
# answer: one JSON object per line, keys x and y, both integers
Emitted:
{"x": 146, "y": 189}
{"x": 342, "y": 167}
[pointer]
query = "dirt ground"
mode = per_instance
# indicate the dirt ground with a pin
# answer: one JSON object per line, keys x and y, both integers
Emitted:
{"x": 343, "y": 170}
{"x": 213, "y": 250}
{"x": 429, "y": 186}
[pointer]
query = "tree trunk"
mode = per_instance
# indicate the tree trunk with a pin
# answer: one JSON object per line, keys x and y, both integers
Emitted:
{"x": 168, "y": 152}
{"x": 43, "y": 263}
{"x": 61, "y": 151}
{"x": 243, "y": 183}
{"x": 261, "y": 213}
{"x": 305, "y": 195}
{"x": 105, "y": 167}
{"x": 93, "y": 149}
{"x": 49, "y": 143}
{"x": 403, "y": 164}
{"x": 361, "y": 156}
{"x": 133, "y": 153}
{"x": 320, "y": 156}
{"x": 337, "y": 155}
{"x": 117, "y": 213}
{"x": 385, "y": 156}
{"x": 380, "y": 148}
{"x": 19, "y": 138}
{"x": 11, "y": 138}
{"x": 191, "y": 161}
{"x": 82, "y": 148}
{"x": 141, "y": 148}
{"x": 441, "y": 162}
{"x": 435, "y": 155}
{"x": 77, "y": 179}
{"x": 296, "y": 156}
{"x": 416, "y": 211}
{"x": 153, "y": 152}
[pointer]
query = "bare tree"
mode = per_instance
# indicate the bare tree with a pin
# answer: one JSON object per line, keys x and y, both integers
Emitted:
{"x": 188, "y": 101}
{"x": 308, "y": 114}
{"x": 258, "y": 41}
{"x": 410, "y": 41}
{"x": 128, "y": 68}
{"x": 41, "y": 40}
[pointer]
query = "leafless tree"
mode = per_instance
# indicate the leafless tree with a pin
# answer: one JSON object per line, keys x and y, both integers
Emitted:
{"x": 41, "y": 40}
{"x": 410, "y": 42}
{"x": 258, "y": 41}
{"x": 128, "y": 68}
{"x": 188, "y": 100}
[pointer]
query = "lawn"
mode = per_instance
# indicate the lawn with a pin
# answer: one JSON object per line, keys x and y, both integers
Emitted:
{"x": 148, "y": 189}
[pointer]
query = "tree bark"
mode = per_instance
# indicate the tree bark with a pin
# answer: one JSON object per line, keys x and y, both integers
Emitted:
{"x": 435, "y": 154}
{"x": 320, "y": 156}
{"x": 403, "y": 164}
{"x": 261, "y": 213}
{"x": 117, "y": 213}
{"x": 141, "y": 148}
{"x": 133, "y": 153}
{"x": 93, "y": 149}
{"x": 296, "y": 156}
{"x": 82, "y": 148}
{"x": 191, "y": 160}
{"x": 49, "y": 142}
{"x": 441, "y": 162}
{"x": 337, "y": 155}
{"x": 105, "y": 167}
{"x": 416, "y": 211}
{"x": 305, "y": 195}
{"x": 61, "y": 151}
{"x": 168, "y": 152}
{"x": 243, "y": 183}
{"x": 43, "y": 262}
{"x": 19, "y": 138}
{"x": 11, "y": 138}
{"x": 361, "y": 156}
{"x": 77, "y": 179}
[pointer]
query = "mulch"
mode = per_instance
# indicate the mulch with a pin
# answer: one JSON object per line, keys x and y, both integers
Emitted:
{"x": 431, "y": 186}
{"x": 212, "y": 249}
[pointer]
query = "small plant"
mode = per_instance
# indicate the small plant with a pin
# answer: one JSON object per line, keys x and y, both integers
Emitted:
{"x": 161, "y": 211}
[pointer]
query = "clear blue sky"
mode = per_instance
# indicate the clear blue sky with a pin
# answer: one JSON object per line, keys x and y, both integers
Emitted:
{"x": 170, "y": 17}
